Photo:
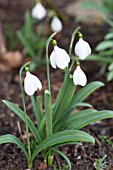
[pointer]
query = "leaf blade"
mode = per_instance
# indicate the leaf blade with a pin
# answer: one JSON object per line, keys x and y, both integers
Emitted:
{"x": 13, "y": 139}
{"x": 20, "y": 113}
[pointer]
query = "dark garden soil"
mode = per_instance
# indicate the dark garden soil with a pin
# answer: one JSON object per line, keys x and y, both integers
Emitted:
{"x": 82, "y": 157}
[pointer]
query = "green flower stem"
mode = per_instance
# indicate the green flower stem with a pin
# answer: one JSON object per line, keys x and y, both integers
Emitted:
{"x": 49, "y": 88}
{"x": 73, "y": 62}
{"x": 47, "y": 60}
{"x": 70, "y": 51}
{"x": 24, "y": 107}
{"x": 72, "y": 40}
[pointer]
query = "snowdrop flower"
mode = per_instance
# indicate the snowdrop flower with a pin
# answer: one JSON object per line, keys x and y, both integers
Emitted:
{"x": 82, "y": 49}
{"x": 79, "y": 77}
{"x": 56, "y": 24}
{"x": 31, "y": 84}
{"x": 59, "y": 58}
{"x": 39, "y": 11}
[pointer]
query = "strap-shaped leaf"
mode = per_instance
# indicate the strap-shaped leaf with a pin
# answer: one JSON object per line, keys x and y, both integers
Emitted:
{"x": 101, "y": 57}
{"x": 88, "y": 118}
{"x": 74, "y": 117}
{"x": 63, "y": 137}
{"x": 82, "y": 94}
{"x": 48, "y": 112}
{"x": 25, "y": 43}
{"x": 103, "y": 45}
{"x": 64, "y": 97}
{"x": 20, "y": 113}
{"x": 68, "y": 111}
{"x": 13, "y": 139}
{"x": 39, "y": 108}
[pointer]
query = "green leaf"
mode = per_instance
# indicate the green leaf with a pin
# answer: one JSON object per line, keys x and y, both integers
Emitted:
{"x": 109, "y": 35}
{"x": 28, "y": 24}
{"x": 101, "y": 57}
{"x": 57, "y": 124}
{"x": 48, "y": 112}
{"x": 20, "y": 113}
{"x": 33, "y": 100}
{"x": 72, "y": 107}
{"x": 62, "y": 137}
{"x": 107, "y": 53}
{"x": 39, "y": 108}
{"x": 64, "y": 97}
{"x": 104, "y": 45}
{"x": 68, "y": 143}
{"x": 110, "y": 76}
{"x": 93, "y": 5}
{"x": 25, "y": 43}
{"x": 13, "y": 139}
{"x": 76, "y": 117}
{"x": 41, "y": 129}
{"x": 83, "y": 104}
{"x": 86, "y": 91}
{"x": 110, "y": 22}
{"x": 88, "y": 118}
{"x": 110, "y": 66}
{"x": 81, "y": 18}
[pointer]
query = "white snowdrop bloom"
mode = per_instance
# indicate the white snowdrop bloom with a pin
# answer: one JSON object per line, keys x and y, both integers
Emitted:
{"x": 59, "y": 58}
{"x": 56, "y": 24}
{"x": 82, "y": 49}
{"x": 79, "y": 77}
{"x": 31, "y": 84}
{"x": 39, "y": 11}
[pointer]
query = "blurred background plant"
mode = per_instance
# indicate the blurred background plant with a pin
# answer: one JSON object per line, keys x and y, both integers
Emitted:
{"x": 104, "y": 54}
{"x": 30, "y": 38}
{"x": 104, "y": 49}
{"x": 12, "y": 39}
{"x": 103, "y": 6}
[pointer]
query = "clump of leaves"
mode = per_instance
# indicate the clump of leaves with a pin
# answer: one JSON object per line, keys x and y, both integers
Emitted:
{"x": 33, "y": 40}
{"x": 59, "y": 123}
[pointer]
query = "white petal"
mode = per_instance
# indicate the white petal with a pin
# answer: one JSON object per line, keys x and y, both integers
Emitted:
{"x": 52, "y": 60}
{"x": 31, "y": 84}
{"x": 82, "y": 49}
{"x": 79, "y": 77}
{"x": 56, "y": 25}
{"x": 38, "y": 11}
{"x": 61, "y": 57}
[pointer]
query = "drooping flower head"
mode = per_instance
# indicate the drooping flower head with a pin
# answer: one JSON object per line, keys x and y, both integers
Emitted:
{"x": 56, "y": 24}
{"x": 79, "y": 77}
{"x": 39, "y": 11}
{"x": 59, "y": 57}
{"x": 31, "y": 83}
{"x": 82, "y": 48}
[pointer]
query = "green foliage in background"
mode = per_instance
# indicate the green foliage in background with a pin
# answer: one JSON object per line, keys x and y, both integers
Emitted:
{"x": 33, "y": 40}
{"x": 104, "y": 51}
{"x": 12, "y": 39}
{"x": 104, "y": 6}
